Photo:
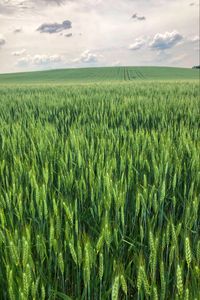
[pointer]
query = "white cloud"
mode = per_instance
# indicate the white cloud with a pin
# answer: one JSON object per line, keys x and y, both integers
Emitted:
{"x": 162, "y": 41}
{"x": 10, "y": 6}
{"x": 19, "y": 53}
{"x": 49, "y": 2}
{"x": 88, "y": 57}
{"x": 195, "y": 39}
{"x": 2, "y": 40}
{"x": 39, "y": 60}
{"x": 138, "y": 44}
{"x": 116, "y": 63}
{"x": 179, "y": 58}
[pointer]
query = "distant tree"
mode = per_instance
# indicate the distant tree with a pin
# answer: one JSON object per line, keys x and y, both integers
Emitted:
{"x": 196, "y": 67}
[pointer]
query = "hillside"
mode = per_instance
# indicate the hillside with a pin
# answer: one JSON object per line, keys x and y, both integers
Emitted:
{"x": 101, "y": 74}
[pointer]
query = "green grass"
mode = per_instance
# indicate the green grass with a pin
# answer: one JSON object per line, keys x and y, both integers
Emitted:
{"x": 101, "y": 74}
{"x": 100, "y": 190}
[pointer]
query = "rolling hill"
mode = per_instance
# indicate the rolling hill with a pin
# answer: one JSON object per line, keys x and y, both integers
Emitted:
{"x": 87, "y": 75}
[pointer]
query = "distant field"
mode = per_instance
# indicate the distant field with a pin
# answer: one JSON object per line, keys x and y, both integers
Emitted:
{"x": 102, "y": 74}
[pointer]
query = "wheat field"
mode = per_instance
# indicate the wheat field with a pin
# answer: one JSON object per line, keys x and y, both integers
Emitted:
{"x": 100, "y": 191}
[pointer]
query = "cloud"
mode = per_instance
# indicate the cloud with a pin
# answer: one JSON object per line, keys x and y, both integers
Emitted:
{"x": 116, "y": 63}
{"x": 5, "y": 9}
{"x": 37, "y": 60}
{"x": 54, "y": 27}
{"x": 87, "y": 57}
{"x": 193, "y": 4}
{"x": 166, "y": 40}
{"x": 11, "y": 6}
{"x": 51, "y": 2}
{"x": 19, "y": 53}
{"x": 17, "y": 30}
{"x": 195, "y": 39}
{"x": 138, "y": 18}
{"x": 138, "y": 44}
{"x": 141, "y": 18}
{"x": 158, "y": 42}
{"x": 2, "y": 40}
{"x": 68, "y": 34}
{"x": 179, "y": 58}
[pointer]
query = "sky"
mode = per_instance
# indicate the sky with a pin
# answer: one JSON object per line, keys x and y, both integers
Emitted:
{"x": 53, "y": 34}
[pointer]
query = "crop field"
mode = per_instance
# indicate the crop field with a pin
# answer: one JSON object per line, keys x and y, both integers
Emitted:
{"x": 100, "y": 187}
{"x": 102, "y": 74}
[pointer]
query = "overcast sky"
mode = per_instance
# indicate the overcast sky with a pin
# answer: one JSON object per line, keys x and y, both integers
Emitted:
{"x": 49, "y": 34}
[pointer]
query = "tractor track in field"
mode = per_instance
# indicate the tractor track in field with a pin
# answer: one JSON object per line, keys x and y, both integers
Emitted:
{"x": 127, "y": 76}
{"x": 139, "y": 74}
{"x": 133, "y": 75}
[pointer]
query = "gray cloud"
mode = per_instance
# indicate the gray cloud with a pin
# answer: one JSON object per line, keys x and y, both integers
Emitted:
{"x": 68, "y": 35}
{"x": 166, "y": 40}
{"x": 138, "y": 18}
{"x": 194, "y": 4}
{"x": 141, "y": 18}
{"x": 5, "y": 9}
{"x": 2, "y": 40}
{"x": 17, "y": 30}
{"x": 2, "y": 8}
{"x": 54, "y": 27}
